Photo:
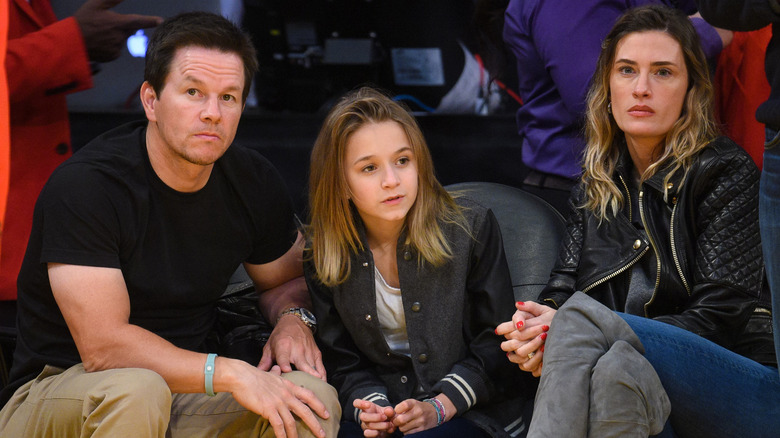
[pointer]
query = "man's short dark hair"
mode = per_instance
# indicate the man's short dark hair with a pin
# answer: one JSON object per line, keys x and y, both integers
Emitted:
{"x": 200, "y": 29}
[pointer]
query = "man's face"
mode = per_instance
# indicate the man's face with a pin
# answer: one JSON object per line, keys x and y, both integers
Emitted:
{"x": 194, "y": 119}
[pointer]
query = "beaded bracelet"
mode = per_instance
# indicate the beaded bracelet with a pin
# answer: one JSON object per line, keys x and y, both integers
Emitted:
{"x": 440, "y": 405}
{"x": 441, "y": 413}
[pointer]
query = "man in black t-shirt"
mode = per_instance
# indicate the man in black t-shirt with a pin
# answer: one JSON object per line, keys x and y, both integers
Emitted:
{"x": 134, "y": 240}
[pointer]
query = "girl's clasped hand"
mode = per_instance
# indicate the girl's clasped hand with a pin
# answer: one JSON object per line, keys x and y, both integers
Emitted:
{"x": 409, "y": 416}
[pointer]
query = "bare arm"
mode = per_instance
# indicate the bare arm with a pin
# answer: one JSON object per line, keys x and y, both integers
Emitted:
{"x": 95, "y": 304}
{"x": 280, "y": 282}
{"x": 282, "y": 286}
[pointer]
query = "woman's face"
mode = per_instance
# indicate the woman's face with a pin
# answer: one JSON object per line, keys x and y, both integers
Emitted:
{"x": 648, "y": 83}
{"x": 381, "y": 171}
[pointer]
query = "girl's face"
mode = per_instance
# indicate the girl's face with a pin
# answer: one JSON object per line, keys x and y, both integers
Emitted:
{"x": 648, "y": 84}
{"x": 381, "y": 171}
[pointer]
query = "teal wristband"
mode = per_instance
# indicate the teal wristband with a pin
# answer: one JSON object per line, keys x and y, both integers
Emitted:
{"x": 208, "y": 371}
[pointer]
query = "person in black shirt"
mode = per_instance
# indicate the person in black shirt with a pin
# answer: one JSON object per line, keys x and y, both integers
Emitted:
{"x": 134, "y": 240}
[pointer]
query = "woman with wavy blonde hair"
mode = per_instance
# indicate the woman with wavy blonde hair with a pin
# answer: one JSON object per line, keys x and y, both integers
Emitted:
{"x": 407, "y": 283}
{"x": 657, "y": 294}
{"x": 692, "y": 131}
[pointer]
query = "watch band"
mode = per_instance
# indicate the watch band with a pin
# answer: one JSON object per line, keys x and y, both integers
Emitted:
{"x": 304, "y": 315}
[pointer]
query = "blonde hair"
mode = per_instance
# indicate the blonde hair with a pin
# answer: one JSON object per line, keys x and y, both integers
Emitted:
{"x": 692, "y": 132}
{"x": 332, "y": 230}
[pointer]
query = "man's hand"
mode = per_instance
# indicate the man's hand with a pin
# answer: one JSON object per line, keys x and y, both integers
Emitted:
{"x": 105, "y": 31}
{"x": 277, "y": 399}
{"x": 376, "y": 421}
{"x": 292, "y": 343}
{"x": 283, "y": 287}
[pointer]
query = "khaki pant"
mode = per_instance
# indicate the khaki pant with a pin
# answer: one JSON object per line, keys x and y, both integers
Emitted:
{"x": 137, "y": 403}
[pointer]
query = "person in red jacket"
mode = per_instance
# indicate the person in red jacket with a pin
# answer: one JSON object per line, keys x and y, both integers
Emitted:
{"x": 46, "y": 59}
{"x": 4, "y": 135}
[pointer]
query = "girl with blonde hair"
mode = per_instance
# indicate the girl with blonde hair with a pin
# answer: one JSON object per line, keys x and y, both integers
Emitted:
{"x": 407, "y": 283}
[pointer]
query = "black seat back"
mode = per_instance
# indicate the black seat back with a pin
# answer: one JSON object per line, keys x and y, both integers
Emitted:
{"x": 530, "y": 227}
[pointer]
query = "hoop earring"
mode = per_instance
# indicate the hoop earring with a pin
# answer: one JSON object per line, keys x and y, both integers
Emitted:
{"x": 609, "y": 108}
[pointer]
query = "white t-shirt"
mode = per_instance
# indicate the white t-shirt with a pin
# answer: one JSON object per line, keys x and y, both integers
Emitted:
{"x": 390, "y": 310}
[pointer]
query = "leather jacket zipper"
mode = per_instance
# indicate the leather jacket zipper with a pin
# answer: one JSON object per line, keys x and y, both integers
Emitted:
{"x": 617, "y": 272}
{"x": 674, "y": 253}
{"x": 657, "y": 258}
{"x": 630, "y": 262}
{"x": 628, "y": 198}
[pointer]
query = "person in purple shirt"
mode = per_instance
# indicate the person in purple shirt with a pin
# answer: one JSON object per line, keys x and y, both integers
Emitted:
{"x": 556, "y": 44}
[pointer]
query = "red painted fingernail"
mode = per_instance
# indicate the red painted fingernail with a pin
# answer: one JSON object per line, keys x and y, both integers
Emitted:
{"x": 543, "y": 336}
{"x": 545, "y": 327}
{"x": 495, "y": 331}
{"x": 519, "y": 303}
{"x": 542, "y": 349}
{"x": 520, "y": 325}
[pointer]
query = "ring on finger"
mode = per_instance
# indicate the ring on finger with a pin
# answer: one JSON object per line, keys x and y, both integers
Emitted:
{"x": 531, "y": 354}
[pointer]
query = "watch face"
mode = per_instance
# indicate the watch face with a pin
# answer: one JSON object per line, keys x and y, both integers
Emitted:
{"x": 308, "y": 316}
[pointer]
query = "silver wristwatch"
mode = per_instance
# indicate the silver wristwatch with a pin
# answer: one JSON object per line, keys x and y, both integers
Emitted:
{"x": 304, "y": 314}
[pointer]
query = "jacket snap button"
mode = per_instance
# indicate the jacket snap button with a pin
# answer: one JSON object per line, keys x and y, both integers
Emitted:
{"x": 407, "y": 255}
{"x": 365, "y": 264}
{"x": 669, "y": 186}
{"x": 61, "y": 149}
{"x": 368, "y": 317}
{"x": 422, "y": 358}
{"x": 404, "y": 379}
{"x": 637, "y": 244}
{"x": 416, "y": 306}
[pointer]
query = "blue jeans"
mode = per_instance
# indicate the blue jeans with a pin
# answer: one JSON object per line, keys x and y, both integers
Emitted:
{"x": 769, "y": 221}
{"x": 714, "y": 392}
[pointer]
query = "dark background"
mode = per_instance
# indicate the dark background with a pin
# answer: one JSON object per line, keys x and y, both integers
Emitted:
{"x": 464, "y": 148}
{"x": 300, "y": 78}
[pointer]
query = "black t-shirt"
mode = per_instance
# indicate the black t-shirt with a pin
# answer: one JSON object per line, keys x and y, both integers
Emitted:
{"x": 106, "y": 207}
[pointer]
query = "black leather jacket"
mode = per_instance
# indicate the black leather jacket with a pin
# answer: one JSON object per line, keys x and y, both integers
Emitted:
{"x": 704, "y": 235}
